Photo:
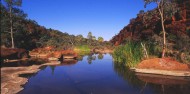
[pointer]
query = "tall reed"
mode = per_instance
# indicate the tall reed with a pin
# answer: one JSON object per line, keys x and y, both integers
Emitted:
{"x": 129, "y": 54}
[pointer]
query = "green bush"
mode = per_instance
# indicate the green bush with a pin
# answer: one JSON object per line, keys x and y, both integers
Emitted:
{"x": 82, "y": 48}
{"x": 129, "y": 54}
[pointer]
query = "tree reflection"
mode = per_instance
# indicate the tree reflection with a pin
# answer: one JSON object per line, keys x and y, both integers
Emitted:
{"x": 27, "y": 62}
{"x": 100, "y": 56}
{"x": 80, "y": 57}
{"x": 52, "y": 69}
{"x": 127, "y": 74}
{"x": 90, "y": 58}
{"x": 43, "y": 67}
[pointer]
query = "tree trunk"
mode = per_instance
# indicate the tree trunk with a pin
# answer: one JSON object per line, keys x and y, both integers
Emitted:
{"x": 164, "y": 35}
{"x": 11, "y": 28}
{"x": 161, "y": 11}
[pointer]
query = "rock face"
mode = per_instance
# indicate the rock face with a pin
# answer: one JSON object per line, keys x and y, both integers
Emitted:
{"x": 138, "y": 29}
{"x": 13, "y": 53}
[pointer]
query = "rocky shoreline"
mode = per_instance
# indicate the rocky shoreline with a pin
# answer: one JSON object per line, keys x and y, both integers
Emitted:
{"x": 11, "y": 81}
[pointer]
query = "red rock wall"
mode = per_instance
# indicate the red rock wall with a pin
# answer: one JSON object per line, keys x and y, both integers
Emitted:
{"x": 139, "y": 30}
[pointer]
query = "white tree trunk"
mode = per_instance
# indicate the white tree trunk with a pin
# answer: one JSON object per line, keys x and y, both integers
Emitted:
{"x": 11, "y": 28}
{"x": 161, "y": 11}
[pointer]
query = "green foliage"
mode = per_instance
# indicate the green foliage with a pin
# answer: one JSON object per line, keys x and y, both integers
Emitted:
{"x": 82, "y": 48}
{"x": 129, "y": 54}
{"x": 13, "y": 2}
{"x": 12, "y": 6}
{"x": 127, "y": 74}
{"x": 180, "y": 50}
{"x": 100, "y": 39}
{"x": 79, "y": 38}
{"x": 11, "y": 20}
{"x": 153, "y": 45}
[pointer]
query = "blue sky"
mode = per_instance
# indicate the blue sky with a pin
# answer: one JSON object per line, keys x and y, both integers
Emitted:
{"x": 102, "y": 17}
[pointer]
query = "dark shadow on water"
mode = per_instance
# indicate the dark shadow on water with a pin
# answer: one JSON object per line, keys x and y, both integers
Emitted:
{"x": 29, "y": 62}
{"x": 27, "y": 75}
{"x": 68, "y": 62}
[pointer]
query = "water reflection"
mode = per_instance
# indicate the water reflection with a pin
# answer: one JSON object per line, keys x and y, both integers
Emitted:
{"x": 166, "y": 84}
{"x": 163, "y": 80}
{"x": 100, "y": 56}
{"x": 90, "y": 58}
{"x": 101, "y": 77}
{"x": 80, "y": 57}
{"x": 68, "y": 62}
{"x": 159, "y": 84}
{"x": 127, "y": 74}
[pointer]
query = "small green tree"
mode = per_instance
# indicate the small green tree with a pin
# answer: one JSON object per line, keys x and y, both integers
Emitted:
{"x": 100, "y": 39}
{"x": 166, "y": 8}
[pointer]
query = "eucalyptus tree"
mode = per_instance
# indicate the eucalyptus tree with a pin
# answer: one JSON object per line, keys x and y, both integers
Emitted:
{"x": 4, "y": 26}
{"x": 165, "y": 9}
{"x": 10, "y": 5}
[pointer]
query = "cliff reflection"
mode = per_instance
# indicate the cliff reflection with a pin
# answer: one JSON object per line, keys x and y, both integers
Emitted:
{"x": 159, "y": 84}
{"x": 166, "y": 84}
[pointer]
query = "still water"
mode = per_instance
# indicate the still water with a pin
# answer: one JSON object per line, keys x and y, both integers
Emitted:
{"x": 98, "y": 74}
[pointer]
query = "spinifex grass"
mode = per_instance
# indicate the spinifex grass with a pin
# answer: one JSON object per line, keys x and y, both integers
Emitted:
{"x": 129, "y": 54}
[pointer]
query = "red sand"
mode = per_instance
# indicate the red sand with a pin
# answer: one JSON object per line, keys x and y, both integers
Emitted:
{"x": 163, "y": 64}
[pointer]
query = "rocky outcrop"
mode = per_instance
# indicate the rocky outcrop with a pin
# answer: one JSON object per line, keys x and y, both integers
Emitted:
{"x": 14, "y": 53}
{"x": 11, "y": 81}
{"x": 51, "y": 54}
{"x": 139, "y": 29}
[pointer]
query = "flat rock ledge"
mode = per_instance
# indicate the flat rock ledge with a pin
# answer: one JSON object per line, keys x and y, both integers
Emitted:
{"x": 163, "y": 72}
{"x": 10, "y": 80}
